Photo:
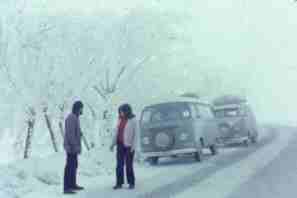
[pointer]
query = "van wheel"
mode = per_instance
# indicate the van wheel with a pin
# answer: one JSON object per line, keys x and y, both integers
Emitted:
{"x": 154, "y": 160}
{"x": 202, "y": 142}
{"x": 254, "y": 139}
{"x": 213, "y": 149}
{"x": 245, "y": 143}
{"x": 198, "y": 156}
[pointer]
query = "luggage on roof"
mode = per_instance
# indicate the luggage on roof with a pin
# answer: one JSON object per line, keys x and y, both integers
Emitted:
{"x": 229, "y": 99}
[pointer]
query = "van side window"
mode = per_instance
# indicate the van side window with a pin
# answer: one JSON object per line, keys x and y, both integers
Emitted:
{"x": 146, "y": 116}
{"x": 243, "y": 110}
{"x": 205, "y": 111}
{"x": 194, "y": 111}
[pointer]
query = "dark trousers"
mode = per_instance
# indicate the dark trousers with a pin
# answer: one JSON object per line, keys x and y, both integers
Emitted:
{"x": 124, "y": 157}
{"x": 70, "y": 171}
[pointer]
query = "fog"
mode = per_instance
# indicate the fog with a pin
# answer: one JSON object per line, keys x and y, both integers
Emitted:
{"x": 214, "y": 47}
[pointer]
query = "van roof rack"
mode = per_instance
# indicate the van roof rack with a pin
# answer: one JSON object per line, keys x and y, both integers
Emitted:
{"x": 164, "y": 100}
{"x": 229, "y": 100}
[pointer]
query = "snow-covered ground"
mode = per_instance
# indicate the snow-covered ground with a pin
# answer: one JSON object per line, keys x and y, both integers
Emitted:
{"x": 181, "y": 177}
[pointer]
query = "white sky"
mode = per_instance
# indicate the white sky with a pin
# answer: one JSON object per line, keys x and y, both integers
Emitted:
{"x": 254, "y": 38}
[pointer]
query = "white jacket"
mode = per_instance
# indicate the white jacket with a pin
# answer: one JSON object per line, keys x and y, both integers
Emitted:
{"x": 130, "y": 134}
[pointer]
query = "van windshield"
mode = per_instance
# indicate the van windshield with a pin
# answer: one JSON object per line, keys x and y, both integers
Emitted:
{"x": 234, "y": 112}
{"x": 165, "y": 112}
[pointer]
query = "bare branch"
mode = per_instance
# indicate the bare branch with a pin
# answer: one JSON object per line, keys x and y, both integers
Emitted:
{"x": 139, "y": 65}
{"x": 107, "y": 73}
{"x": 91, "y": 62}
{"x": 44, "y": 28}
{"x": 100, "y": 93}
{"x": 93, "y": 112}
{"x": 103, "y": 89}
{"x": 120, "y": 74}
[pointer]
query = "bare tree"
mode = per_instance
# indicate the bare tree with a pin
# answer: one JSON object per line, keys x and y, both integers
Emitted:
{"x": 127, "y": 52}
{"x": 29, "y": 46}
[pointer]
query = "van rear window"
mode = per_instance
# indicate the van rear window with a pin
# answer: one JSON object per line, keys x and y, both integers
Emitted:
{"x": 165, "y": 112}
{"x": 234, "y": 112}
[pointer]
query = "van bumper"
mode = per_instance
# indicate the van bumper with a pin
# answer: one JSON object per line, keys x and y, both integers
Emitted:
{"x": 234, "y": 140}
{"x": 169, "y": 153}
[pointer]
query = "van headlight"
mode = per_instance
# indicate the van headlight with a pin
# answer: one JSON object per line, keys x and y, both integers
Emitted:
{"x": 146, "y": 140}
{"x": 183, "y": 136}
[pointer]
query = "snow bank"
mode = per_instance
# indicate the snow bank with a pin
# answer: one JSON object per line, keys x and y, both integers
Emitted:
{"x": 40, "y": 175}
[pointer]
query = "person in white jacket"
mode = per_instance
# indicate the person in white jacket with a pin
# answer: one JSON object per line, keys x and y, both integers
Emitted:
{"x": 125, "y": 141}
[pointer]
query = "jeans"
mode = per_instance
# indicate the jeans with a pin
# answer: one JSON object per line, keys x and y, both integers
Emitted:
{"x": 125, "y": 157}
{"x": 70, "y": 171}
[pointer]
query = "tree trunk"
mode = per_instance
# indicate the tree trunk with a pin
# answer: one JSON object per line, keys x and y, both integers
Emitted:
{"x": 50, "y": 129}
{"x": 30, "y": 130}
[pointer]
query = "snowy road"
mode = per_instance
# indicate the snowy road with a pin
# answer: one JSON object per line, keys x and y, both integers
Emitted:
{"x": 226, "y": 182}
{"x": 267, "y": 168}
{"x": 276, "y": 179}
{"x": 220, "y": 176}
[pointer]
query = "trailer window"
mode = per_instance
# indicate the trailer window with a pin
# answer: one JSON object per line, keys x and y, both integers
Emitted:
{"x": 205, "y": 111}
{"x": 234, "y": 112}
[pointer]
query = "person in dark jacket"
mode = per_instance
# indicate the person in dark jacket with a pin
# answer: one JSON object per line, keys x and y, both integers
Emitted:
{"x": 72, "y": 146}
{"x": 125, "y": 140}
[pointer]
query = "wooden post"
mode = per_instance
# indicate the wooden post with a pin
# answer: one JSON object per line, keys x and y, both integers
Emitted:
{"x": 50, "y": 129}
{"x": 31, "y": 122}
{"x": 28, "y": 140}
{"x": 61, "y": 129}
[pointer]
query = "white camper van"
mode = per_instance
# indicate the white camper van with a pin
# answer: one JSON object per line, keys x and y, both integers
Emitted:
{"x": 236, "y": 120}
{"x": 177, "y": 127}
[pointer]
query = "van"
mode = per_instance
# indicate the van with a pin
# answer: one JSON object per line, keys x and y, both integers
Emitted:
{"x": 236, "y": 120}
{"x": 177, "y": 127}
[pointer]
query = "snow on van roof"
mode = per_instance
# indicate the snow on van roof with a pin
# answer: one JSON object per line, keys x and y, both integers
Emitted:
{"x": 162, "y": 100}
{"x": 229, "y": 100}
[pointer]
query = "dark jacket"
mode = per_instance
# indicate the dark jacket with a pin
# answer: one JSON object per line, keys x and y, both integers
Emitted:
{"x": 72, "y": 140}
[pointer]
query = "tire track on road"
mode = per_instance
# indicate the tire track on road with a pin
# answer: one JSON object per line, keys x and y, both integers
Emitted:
{"x": 220, "y": 162}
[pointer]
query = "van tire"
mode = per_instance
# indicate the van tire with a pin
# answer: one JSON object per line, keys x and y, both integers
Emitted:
{"x": 154, "y": 160}
{"x": 213, "y": 149}
{"x": 246, "y": 143}
{"x": 202, "y": 142}
{"x": 198, "y": 156}
{"x": 254, "y": 139}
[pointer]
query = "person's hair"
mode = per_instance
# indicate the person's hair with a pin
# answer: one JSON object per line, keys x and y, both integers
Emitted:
{"x": 127, "y": 110}
{"x": 77, "y": 106}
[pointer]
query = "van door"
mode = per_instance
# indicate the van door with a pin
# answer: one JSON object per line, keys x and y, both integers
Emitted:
{"x": 209, "y": 130}
{"x": 197, "y": 125}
